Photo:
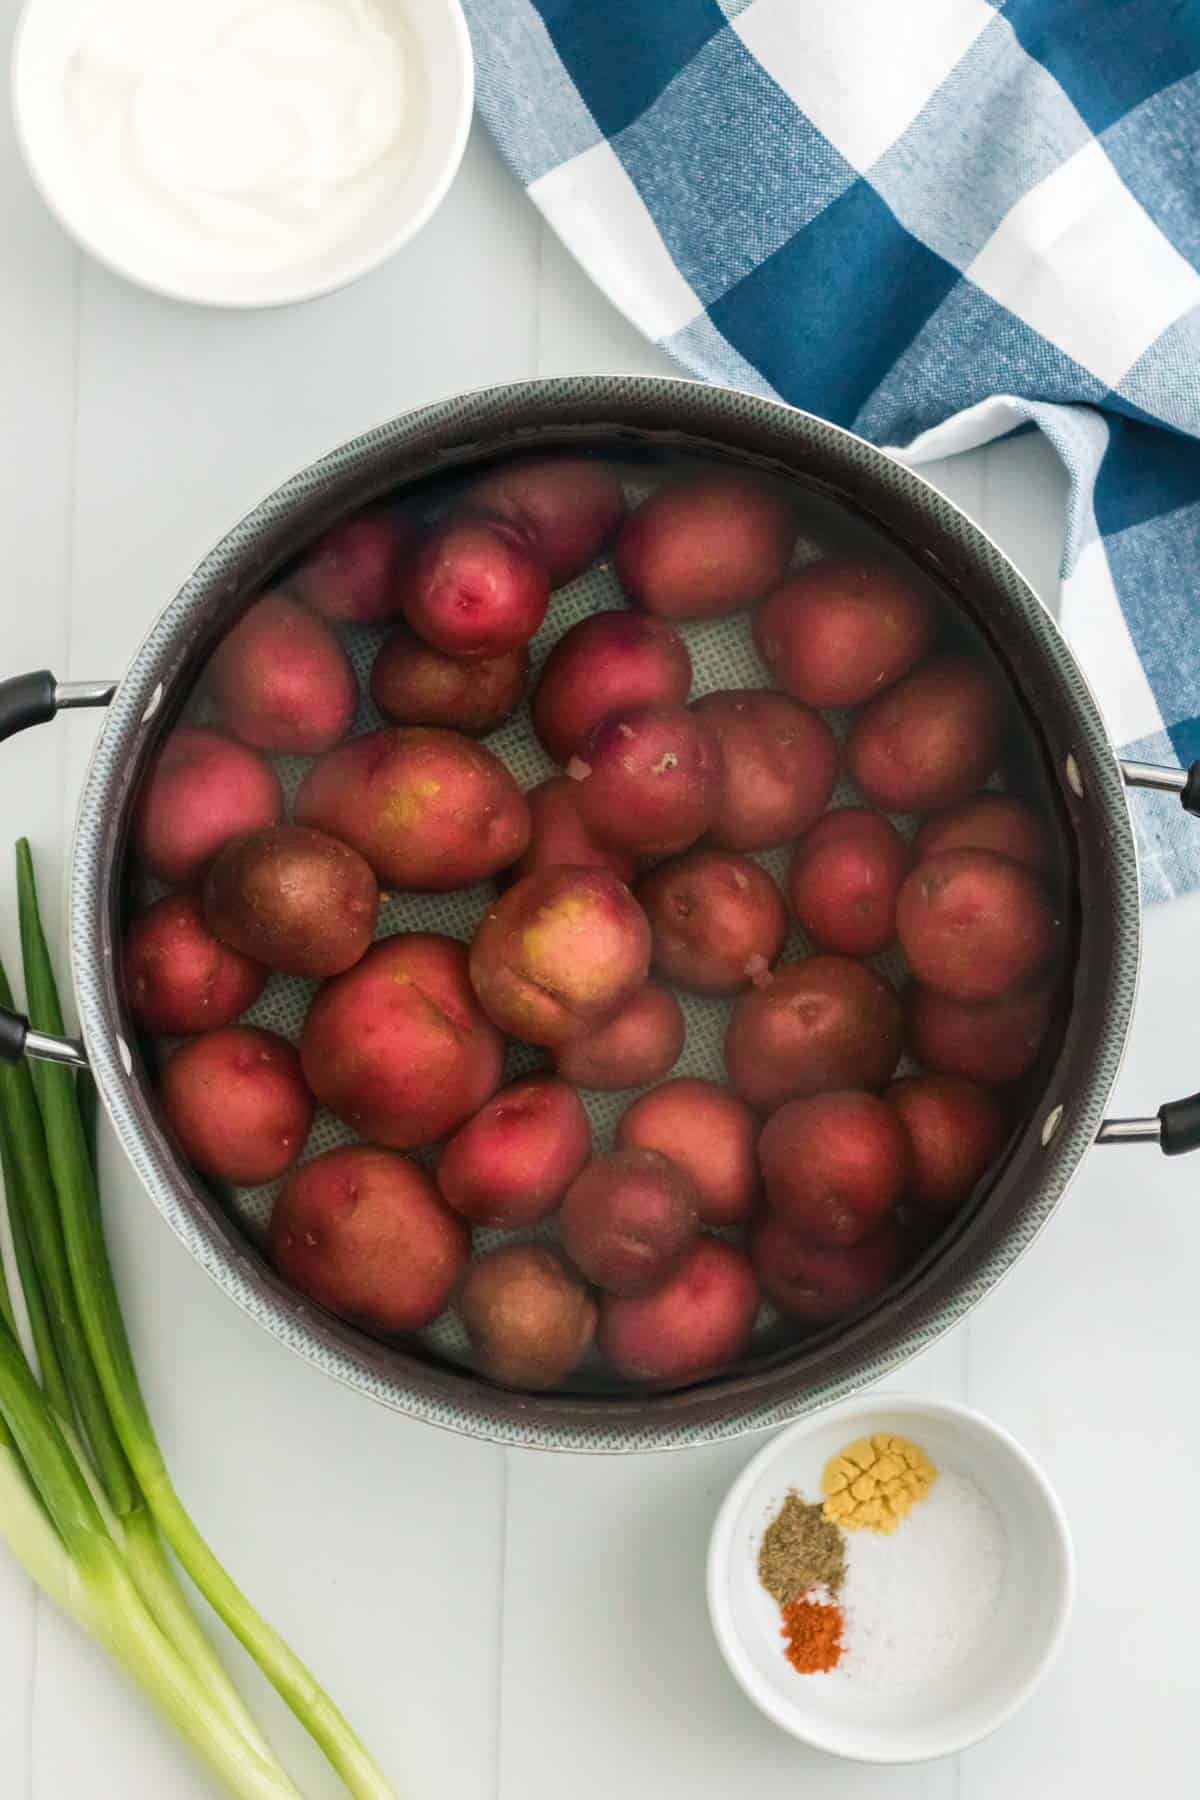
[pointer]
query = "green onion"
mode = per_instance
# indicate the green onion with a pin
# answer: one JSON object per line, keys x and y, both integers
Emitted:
{"x": 88, "y": 1102}
{"x": 103, "y": 1327}
{"x": 97, "y": 1587}
{"x": 38, "y": 1211}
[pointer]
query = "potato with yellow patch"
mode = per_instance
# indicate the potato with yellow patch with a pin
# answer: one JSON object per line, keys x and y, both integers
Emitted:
{"x": 560, "y": 953}
{"x": 428, "y": 809}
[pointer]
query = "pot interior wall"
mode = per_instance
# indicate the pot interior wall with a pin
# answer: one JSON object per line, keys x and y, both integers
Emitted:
{"x": 842, "y": 480}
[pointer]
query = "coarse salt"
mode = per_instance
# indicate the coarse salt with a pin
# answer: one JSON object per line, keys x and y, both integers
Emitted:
{"x": 917, "y": 1602}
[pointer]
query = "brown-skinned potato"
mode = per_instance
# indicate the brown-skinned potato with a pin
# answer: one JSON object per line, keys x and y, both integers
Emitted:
{"x": 293, "y": 899}
{"x": 529, "y": 1317}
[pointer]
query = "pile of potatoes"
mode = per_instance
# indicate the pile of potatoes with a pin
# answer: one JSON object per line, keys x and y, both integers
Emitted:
{"x": 630, "y": 877}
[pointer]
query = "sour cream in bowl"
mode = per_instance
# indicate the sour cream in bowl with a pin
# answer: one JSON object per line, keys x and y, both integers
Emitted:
{"x": 242, "y": 152}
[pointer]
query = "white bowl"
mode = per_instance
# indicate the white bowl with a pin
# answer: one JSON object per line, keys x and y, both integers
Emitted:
{"x": 991, "y": 1681}
{"x": 46, "y": 36}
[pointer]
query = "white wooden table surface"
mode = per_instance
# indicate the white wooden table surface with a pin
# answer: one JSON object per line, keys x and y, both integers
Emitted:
{"x": 500, "y": 1624}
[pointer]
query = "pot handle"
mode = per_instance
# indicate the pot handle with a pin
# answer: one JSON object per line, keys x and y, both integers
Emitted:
{"x": 1175, "y": 1127}
{"x": 31, "y": 700}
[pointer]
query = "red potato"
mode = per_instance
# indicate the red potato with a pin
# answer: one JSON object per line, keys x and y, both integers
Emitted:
{"x": 365, "y": 1233}
{"x": 931, "y": 740}
{"x": 281, "y": 681}
{"x": 605, "y": 664}
{"x": 628, "y": 1219}
{"x": 203, "y": 789}
{"x": 995, "y": 1042}
{"x": 512, "y": 1163}
{"x": 648, "y": 779}
{"x": 710, "y": 1134}
{"x": 845, "y": 878}
{"x": 955, "y": 1130}
{"x": 696, "y": 1324}
{"x": 779, "y": 763}
{"x": 815, "y": 1283}
{"x": 351, "y": 575}
{"x": 814, "y": 1026}
{"x": 559, "y": 953}
{"x": 995, "y": 822}
{"x": 414, "y": 684}
{"x": 834, "y": 1166}
{"x": 567, "y": 508}
{"x": 559, "y": 838}
{"x": 474, "y": 589}
{"x": 237, "y": 1102}
{"x": 293, "y": 899}
{"x": 429, "y": 810}
{"x": 529, "y": 1317}
{"x": 840, "y": 631}
{"x": 636, "y": 1046}
{"x": 717, "y": 919}
{"x": 179, "y": 978}
{"x": 974, "y": 925}
{"x": 397, "y": 1047}
{"x": 705, "y": 546}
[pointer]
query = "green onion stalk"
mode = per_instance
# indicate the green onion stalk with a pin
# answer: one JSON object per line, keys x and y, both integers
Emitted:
{"x": 86, "y": 1500}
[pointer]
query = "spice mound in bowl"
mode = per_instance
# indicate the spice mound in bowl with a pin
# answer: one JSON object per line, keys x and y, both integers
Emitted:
{"x": 890, "y": 1580}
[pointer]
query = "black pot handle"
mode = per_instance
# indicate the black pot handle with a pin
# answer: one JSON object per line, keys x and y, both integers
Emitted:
{"x": 1175, "y": 1127}
{"x": 32, "y": 700}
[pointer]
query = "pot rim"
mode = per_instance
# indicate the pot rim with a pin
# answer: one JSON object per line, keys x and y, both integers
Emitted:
{"x": 726, "y": 1407}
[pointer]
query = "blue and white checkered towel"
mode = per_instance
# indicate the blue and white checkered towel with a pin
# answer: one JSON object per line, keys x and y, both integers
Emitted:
{"x": 934, "y": 221}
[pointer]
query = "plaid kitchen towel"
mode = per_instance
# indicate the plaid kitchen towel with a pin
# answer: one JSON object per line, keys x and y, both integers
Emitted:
{"x": 934, "y": 221}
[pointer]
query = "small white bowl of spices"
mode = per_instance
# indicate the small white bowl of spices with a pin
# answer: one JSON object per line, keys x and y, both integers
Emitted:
{"x": 891, "y": 1579}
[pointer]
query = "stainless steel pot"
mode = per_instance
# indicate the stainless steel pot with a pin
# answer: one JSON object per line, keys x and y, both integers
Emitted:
{"x": 1081, "y": 762}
